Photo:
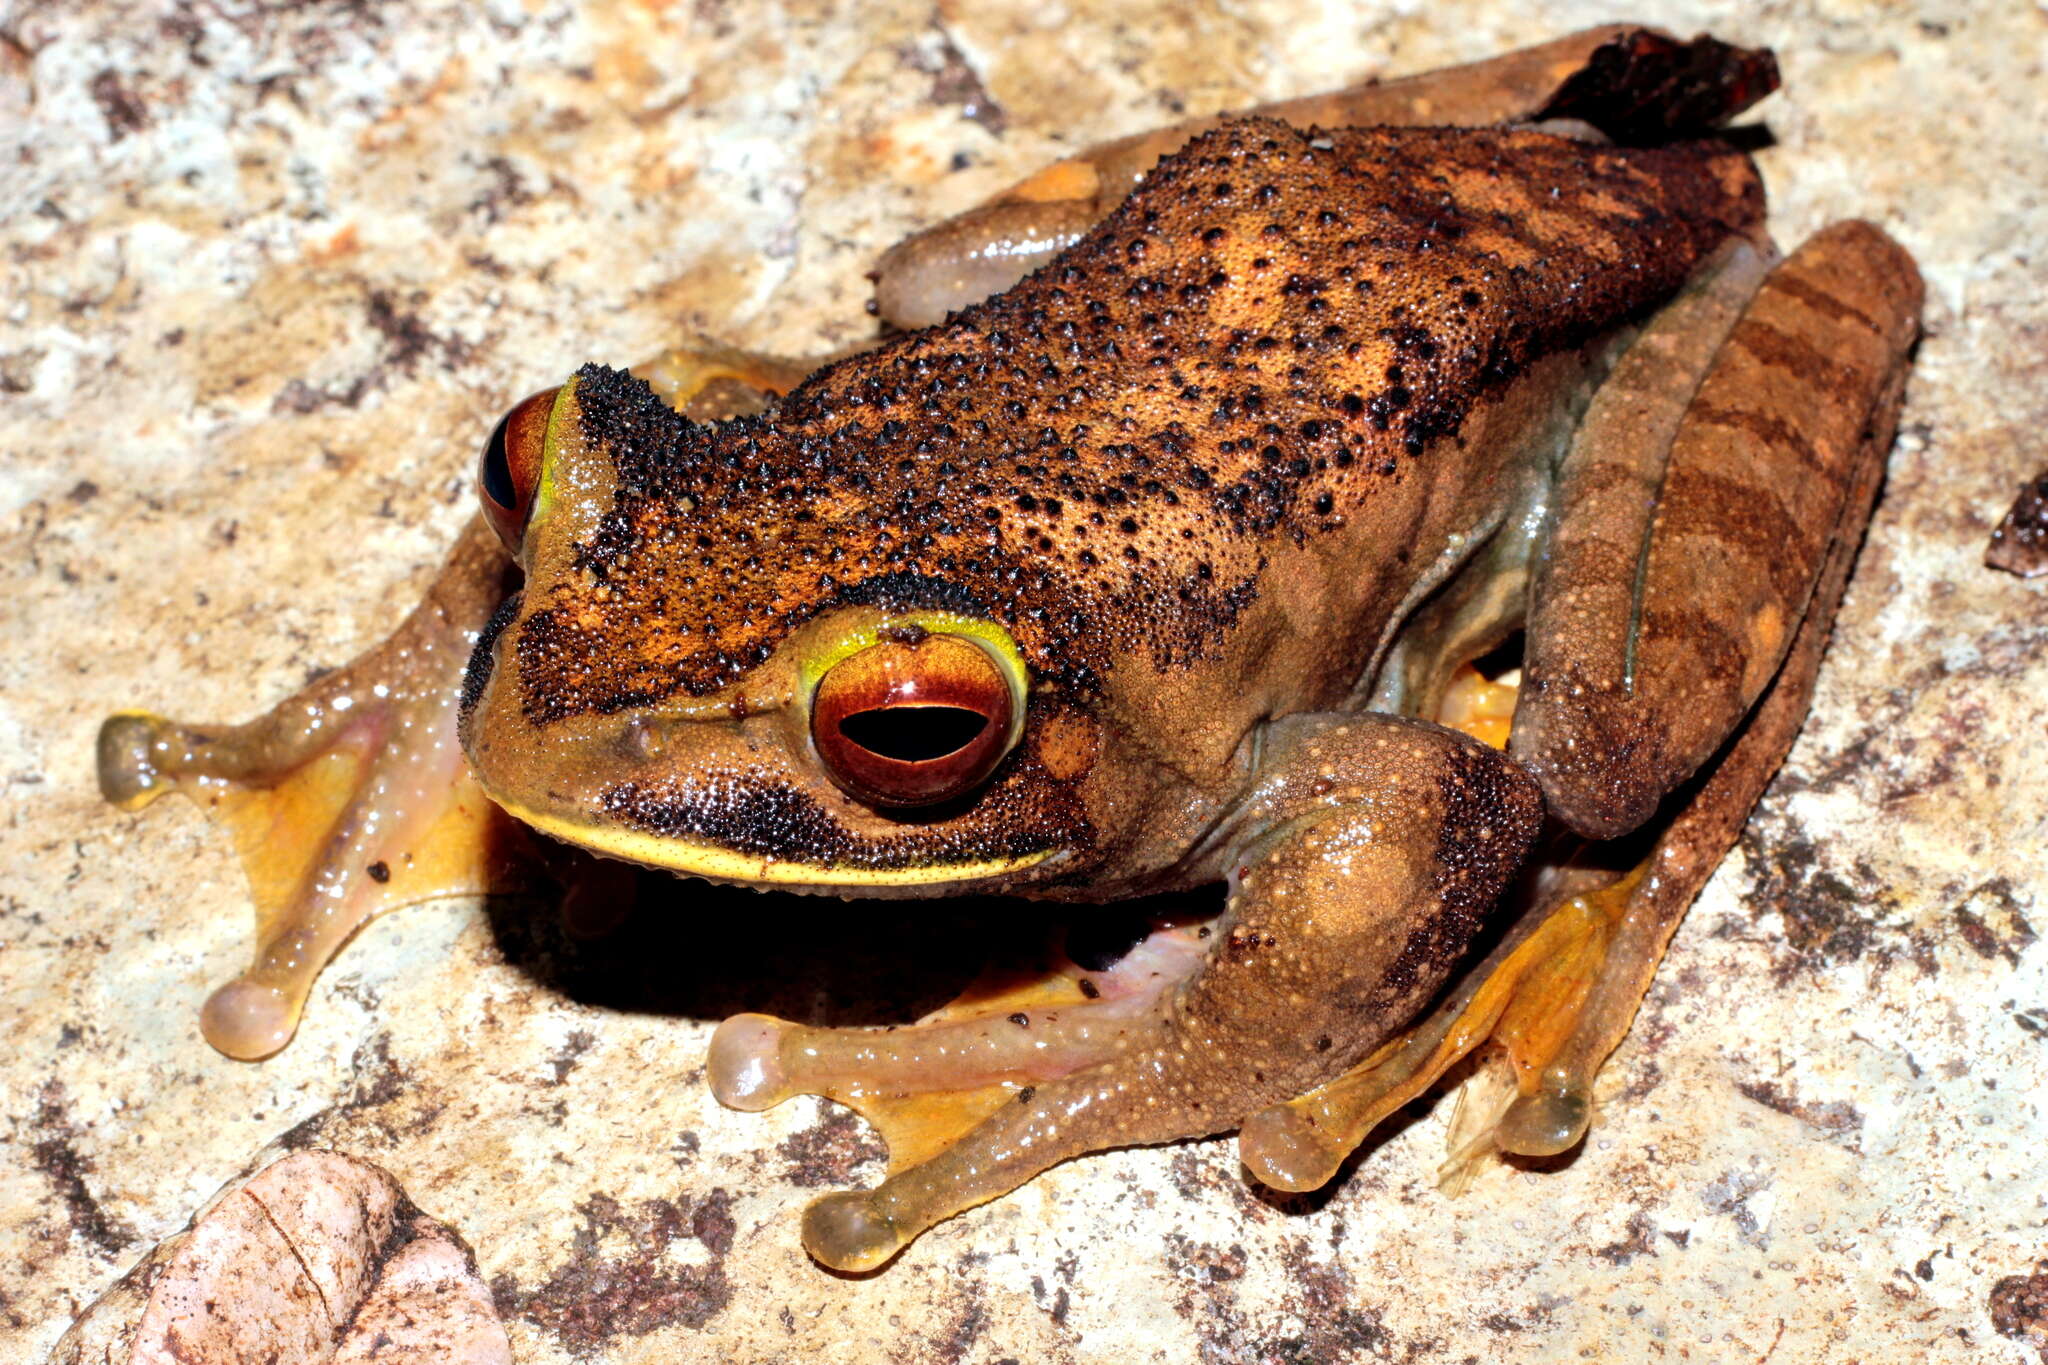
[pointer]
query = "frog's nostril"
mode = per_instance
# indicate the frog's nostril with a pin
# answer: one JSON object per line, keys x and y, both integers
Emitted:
{"x": 643, "y": 738}
{"x": 914, "y": 734}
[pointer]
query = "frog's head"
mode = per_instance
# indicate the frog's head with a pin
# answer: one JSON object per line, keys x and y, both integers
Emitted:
{"x": 699, "y": 675}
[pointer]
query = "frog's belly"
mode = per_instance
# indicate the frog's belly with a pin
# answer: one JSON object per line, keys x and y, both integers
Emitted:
{"x": 1440, "y": 556}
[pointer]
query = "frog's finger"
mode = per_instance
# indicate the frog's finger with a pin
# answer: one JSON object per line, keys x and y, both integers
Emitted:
{"x": 923, "y": 1085}
{"x": 1009, "y": 1028}
{"x": 1650, "y": 637}
{"x": 1359, "y": 872}
{"x": 345, "y": 800}
{"x": 1633, "y": 78}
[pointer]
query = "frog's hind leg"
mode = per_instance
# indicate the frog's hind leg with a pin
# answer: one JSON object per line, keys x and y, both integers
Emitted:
{"x": 346, "y": 800}
{"x": 1629, "y": 81}
{"x": 1770, "y": 480}
{"x": 1673, "y": 589}
{"x": 1612, "y": 463}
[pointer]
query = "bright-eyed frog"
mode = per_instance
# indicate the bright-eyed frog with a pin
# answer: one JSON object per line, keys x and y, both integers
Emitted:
{"x": 1165, "y": 564}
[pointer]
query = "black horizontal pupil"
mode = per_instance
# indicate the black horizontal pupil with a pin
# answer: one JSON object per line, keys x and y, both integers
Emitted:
{"x": 914, "y": 734}
{"x": 497, "y": 469}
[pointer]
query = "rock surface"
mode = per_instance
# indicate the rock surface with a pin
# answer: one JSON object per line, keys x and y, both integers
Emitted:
{"x": 271, "y": 272}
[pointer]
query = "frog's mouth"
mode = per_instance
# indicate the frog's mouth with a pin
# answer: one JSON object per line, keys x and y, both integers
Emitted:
{"x": 752, "y": 827}
{"x": 875, "y": 872}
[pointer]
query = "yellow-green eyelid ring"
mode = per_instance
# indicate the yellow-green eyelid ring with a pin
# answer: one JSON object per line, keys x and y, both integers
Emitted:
{"x": 545, "y": 495}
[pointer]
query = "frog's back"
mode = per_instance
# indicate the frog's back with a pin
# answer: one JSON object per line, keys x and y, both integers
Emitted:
{"x": 1279, "y": 336}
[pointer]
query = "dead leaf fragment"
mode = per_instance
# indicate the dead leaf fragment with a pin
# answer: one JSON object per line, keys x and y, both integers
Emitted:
{"x": 317, "y": 1259}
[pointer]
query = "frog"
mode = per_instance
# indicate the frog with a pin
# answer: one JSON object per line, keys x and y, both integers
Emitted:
{"x": 1420, "y": 509}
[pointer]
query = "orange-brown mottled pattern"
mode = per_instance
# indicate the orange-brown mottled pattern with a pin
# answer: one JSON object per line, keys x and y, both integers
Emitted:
{"x": 1104, "y": 458}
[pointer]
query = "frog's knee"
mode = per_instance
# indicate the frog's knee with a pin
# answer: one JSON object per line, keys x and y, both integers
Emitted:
{"x": 978, "y": 254}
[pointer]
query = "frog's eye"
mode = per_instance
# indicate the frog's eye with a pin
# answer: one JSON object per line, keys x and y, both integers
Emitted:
{"x": 913, "y": 723}
{"x": 508, "y": 470}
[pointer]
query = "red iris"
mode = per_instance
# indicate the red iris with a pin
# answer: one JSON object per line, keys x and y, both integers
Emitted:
{"x": 508, "y": 468}
{"x": 911, "y": 723}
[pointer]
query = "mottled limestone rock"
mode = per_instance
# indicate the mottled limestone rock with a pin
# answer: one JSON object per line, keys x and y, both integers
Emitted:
{"x": 270, "y": 273}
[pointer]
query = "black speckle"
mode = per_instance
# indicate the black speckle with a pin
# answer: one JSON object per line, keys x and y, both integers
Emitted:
{"x": 55, "y": 1154}
{"x": 123, "y": 111}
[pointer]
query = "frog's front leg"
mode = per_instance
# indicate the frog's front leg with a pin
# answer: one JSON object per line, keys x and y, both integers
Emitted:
{"x": 1009, "y": 1029}
{"x": 1360, "y": 866}
{"x": 347, "y": 799}
{"x": 352, "y": 797}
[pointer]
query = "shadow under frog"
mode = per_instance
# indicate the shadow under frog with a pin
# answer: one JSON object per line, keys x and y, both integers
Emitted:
{"x": 703, "y": 951}
{"x": 1164, "y": 565}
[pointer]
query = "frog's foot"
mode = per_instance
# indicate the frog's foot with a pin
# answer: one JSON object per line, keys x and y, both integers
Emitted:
{"x": 1529, "y": 991}
{"x": 1359, "y": 870}
{"x": 1548, "y": 1006}
{"x": 924, "y": 1084}
{"x": 346, "y": 800}
{"x": 1537, "y": 1001}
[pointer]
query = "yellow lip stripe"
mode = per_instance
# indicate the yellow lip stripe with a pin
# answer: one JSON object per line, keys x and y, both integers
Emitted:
{"x": 707, "y": 860}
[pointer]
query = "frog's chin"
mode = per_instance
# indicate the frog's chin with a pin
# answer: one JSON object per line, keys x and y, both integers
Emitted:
{"x": 690, "y": 858}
